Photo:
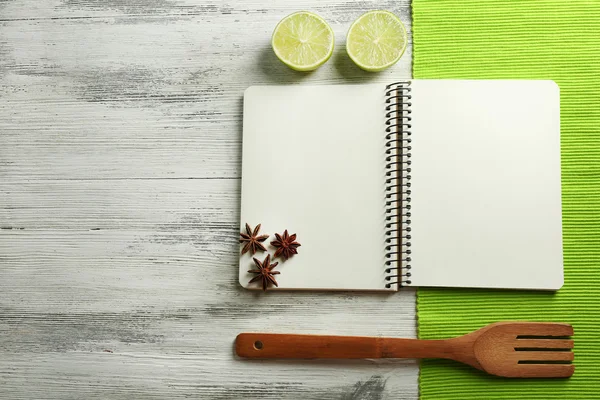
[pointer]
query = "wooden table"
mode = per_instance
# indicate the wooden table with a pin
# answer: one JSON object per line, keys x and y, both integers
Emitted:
{"x": 120, "y": 154}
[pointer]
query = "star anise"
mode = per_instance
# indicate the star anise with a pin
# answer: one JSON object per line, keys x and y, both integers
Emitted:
{"x": 264, "y": 272}
{"x": 253, "y": 242}
{"x": 286, "y": 245}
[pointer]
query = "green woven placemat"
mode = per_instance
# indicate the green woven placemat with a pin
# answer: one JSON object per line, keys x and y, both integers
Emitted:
{"x": 551, "y": 39}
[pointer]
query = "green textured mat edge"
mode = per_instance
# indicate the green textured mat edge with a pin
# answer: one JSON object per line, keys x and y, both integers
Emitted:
{"x": 546, "y": 39}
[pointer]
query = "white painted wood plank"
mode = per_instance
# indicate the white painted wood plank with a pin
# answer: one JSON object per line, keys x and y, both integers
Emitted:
{"x": 117, "y": 271}
{"x": 102, "y": 375}
{"x": 148, "y": 99}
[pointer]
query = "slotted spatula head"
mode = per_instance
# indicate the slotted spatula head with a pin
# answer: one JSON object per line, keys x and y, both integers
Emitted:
{"x": 525, "y": 349}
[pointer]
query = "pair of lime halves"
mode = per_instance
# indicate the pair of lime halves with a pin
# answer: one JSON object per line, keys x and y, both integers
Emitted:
{"x": 304, "y": 41}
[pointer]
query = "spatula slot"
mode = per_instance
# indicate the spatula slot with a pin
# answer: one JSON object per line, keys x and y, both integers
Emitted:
{"x": 540, "y": 349}
{"x": 542, "y": 337}
{"x": 544, "y": 362}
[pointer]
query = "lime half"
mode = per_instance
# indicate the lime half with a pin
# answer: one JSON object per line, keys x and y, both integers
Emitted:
{"x": 303, "y": 41}
{"x": 376, "y": 40}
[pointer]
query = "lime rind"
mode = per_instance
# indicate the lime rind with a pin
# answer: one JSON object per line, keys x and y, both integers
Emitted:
{"x": 303, "y": 41}
{"x": 376, "y": 40}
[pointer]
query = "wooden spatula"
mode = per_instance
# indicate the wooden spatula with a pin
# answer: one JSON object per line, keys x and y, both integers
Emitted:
{"x": 510, "y": 349}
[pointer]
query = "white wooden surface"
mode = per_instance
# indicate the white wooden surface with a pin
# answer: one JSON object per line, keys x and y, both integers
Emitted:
{"x": 120, "y": 139}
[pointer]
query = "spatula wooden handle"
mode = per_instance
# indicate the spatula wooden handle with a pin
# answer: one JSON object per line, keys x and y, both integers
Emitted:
{"x": 270, "y": 345}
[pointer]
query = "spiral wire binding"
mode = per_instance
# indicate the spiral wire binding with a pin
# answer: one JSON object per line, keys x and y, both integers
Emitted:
{"x": 397, "y": 211}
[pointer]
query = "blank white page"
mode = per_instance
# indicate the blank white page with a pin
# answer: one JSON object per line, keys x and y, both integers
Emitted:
{"x": 313, "y": 163}
{"x": 485, "y": 181}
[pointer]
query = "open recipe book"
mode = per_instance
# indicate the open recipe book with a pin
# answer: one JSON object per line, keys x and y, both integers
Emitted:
{"x": 418, "y": 183}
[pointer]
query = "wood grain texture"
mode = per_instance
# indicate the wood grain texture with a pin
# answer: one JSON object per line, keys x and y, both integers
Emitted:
{"x": 120, "y": 155}
{"x": 507, "y": 349}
